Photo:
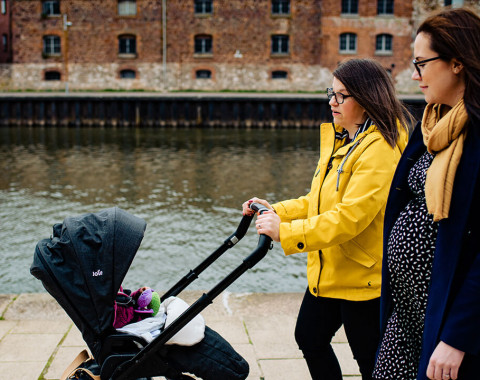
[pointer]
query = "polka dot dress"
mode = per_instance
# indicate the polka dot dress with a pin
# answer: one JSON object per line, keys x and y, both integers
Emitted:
{"x": 410, "y": 254}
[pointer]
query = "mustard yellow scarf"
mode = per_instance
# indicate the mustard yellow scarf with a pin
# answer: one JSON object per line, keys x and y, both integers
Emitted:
{"x": 444, "y": 133}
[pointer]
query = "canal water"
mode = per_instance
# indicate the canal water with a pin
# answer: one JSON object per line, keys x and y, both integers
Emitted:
{"x": 188, "y": 184}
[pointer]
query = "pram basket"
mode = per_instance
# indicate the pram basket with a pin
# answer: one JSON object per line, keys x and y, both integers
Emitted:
{"x": 121, "y": 356}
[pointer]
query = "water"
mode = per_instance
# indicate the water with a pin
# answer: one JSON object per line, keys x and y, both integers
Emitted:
{"x": 188, "y": 184}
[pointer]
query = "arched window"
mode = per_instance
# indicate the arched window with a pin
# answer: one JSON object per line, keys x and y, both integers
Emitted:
{"x": 203, "y": 74}
{"x": 51, "y": 45}
{"x": 279, "y": 74}
{"x": 203, "y": 45}
{"x": 127, "y": 44}
{"x": 127, "y": 7}
{"x": 52, "y": 75}
{"x": 383, "y": 44}
{"x": 348, "y": 43}
{"x": 128, "y": 74}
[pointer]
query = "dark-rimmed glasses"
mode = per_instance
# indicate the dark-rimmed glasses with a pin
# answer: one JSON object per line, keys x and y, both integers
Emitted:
{"x": 339, "y": 97}
{"x": 418, "y": 63}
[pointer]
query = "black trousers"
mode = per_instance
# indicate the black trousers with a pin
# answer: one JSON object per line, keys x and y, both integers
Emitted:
{"x": 319, "y": 319}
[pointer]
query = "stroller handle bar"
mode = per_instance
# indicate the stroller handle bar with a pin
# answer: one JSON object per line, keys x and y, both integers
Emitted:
{"x": 227, "y": 244}
{"x": 130, "y": 368}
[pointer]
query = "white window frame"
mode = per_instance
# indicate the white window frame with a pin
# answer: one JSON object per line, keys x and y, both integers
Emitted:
{"x": 384, "y": 39}
{"x": 350, "y": 6}
{"x": 206, "y": 7}
{"x": 48, "y": 7}
{"x": 382, "y": 6}
{"x": 127, "y": 7}
{"x": 201, "y": 42}
{"x": 280, "y": 7}
{"x": 348, "y": 42}
{"x": 52, "y": 45}
{"x": 130, "y": 49}
{"x": 4, "y": 7}
{"x": 280, "y": 44}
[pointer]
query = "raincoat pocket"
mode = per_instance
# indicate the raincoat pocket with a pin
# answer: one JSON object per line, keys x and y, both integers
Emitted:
{"x": 357, "y": 253}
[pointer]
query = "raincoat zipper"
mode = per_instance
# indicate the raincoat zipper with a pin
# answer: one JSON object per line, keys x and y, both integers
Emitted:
{"x": 340, "y": 168}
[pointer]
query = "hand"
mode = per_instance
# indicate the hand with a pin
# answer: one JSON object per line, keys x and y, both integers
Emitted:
{"x": 269, "y": 224}
{"x": 246, "y": 205}
{"x": 444, "y": 362}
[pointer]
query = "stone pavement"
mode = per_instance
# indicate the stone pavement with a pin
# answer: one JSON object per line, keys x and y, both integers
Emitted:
{"x": 38, "y": 340}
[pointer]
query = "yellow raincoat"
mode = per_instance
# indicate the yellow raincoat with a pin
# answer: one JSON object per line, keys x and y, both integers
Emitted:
{"x": 340, "y": 221}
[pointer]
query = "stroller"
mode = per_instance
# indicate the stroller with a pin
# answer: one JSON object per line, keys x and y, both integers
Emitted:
{"x": 83, "y": 265}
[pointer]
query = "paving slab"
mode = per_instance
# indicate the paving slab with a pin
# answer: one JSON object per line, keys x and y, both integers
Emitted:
{"x": 285, "y": 369}
{"x": 5, "y": 300}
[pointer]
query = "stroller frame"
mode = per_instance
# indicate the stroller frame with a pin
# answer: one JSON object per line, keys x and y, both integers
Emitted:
{"x": 128, "y": 357}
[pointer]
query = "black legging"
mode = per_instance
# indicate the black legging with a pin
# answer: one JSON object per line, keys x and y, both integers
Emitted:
{"x": 319, "y": 319}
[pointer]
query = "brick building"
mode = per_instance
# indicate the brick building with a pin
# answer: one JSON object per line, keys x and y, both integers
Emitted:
{"x": 165, "y": 45}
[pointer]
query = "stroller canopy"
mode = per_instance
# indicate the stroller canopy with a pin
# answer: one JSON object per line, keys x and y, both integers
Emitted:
{"x": 84, "y": 263}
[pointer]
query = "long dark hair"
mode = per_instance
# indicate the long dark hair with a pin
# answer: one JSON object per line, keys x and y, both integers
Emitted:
{"x": 371, "y": 86}
{"x": 455, "y": 33}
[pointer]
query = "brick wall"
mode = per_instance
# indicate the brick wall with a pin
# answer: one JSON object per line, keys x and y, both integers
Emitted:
{"x": 241, "y": 32}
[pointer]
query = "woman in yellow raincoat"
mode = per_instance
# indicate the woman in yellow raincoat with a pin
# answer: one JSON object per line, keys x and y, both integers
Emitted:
{"x": 340, "y": 221}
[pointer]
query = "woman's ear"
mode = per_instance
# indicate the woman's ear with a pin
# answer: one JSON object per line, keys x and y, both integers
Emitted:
{"x": 457, "y": 66}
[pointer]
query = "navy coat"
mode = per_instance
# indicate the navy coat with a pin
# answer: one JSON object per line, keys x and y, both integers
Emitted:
{"x": 453, "y": 308}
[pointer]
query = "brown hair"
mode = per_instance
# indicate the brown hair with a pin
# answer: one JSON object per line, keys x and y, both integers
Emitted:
{"x": 371, "y": 86}
{"x": 455, "y": 33}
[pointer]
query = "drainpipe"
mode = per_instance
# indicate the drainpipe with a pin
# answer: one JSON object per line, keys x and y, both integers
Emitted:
{"x": 164, "y": 38}
{"x": 66, "y": 24}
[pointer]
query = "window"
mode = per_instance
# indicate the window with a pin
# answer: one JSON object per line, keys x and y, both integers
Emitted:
{"x": 127, "y": 7}
{"x": 52, "y": 75}
{"x": 51, "y": 8}
{"x": 383, "y": 44}
{"x": 127, "y": 45}
{"x": 203, "y": 45}
{"x": 280, "y": 44}
{"x": 203, "y": 74}
{"x": 348, "y": 43}
{"x": 447, "y": 3}
{"x": 4, "y": 6}
{"x": 128, "y": 74}
{"x": 385, "y": 7}
{"x": 280, "y": 7}
{"x": 51, "y": 45}
{"x": 279, "y": 74}
{"x": 349, "y": 7}
{"x": 5, "y": 42}
{"x": 203, "y": 6}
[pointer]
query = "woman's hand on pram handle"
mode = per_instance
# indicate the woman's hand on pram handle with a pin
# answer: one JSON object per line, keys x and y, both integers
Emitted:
{"x": 268, "y": 222}
{"x": 254, "y": 205}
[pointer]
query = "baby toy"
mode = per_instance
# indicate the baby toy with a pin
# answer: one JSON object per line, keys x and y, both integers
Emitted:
{"x": 133, "y": 307}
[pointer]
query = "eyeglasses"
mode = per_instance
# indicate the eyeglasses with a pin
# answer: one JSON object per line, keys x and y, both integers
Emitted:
{"x": 420, "y": 64}
{"x": 339, "y": 97}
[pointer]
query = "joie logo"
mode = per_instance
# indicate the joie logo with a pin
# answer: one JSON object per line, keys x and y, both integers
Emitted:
{"x": 97, "y": 273}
